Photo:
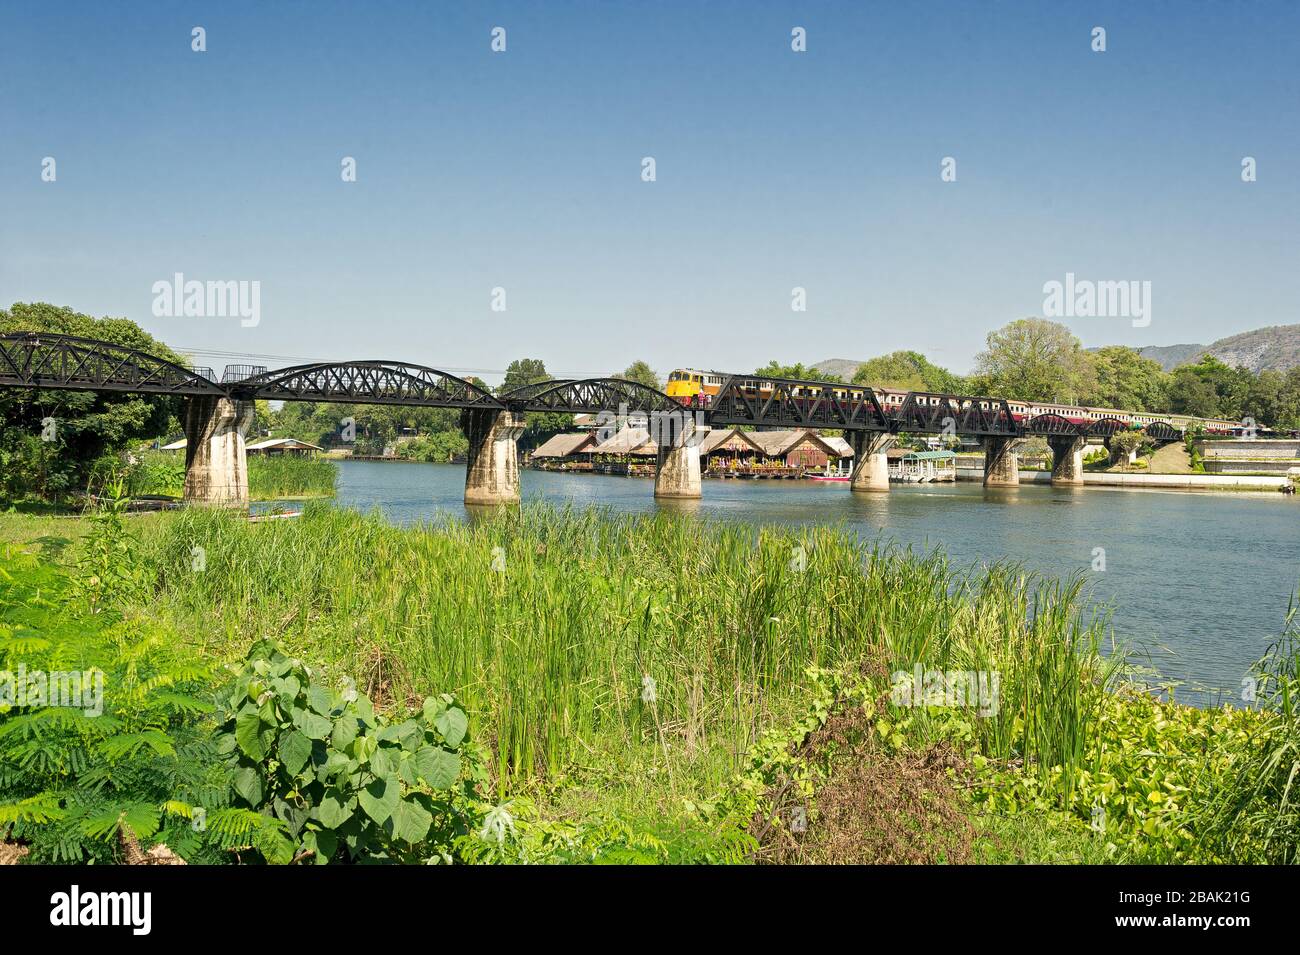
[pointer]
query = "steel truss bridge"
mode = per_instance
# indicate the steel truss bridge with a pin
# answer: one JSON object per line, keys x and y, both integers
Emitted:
{"x": 38, "y": 360}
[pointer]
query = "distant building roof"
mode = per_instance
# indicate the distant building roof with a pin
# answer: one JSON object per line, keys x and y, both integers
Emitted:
{"x": 930, "y": 455}
{"x": 628, "y": 441}
{"x": 281, "y": 444}
{"x": 842, "y": 447}
{"x": 776, "y": 443}
{"x": 635, "y": 419}
{"x": 563, "y": 445}
{"x": 732, "y": 438}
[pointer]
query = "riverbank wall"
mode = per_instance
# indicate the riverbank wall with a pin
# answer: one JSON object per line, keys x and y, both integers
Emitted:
{"x": 1183, "y": 482}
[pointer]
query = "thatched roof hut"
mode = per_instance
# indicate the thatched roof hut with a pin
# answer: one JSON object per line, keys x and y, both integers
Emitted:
{"x": 633, "y": 441}
{"x": 566, "y": 445}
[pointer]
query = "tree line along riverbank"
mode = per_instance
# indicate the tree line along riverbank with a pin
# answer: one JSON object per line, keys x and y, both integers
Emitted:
{"x": 556, "y": 685}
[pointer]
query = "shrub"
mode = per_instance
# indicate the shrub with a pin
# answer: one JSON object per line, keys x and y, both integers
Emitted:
{"x": 141, "y": 753}
{"x": 345, "y": 783}
{"x": 1146, "y": 769}
{"x": 157, "y": 472}
{"x": 438, "y": 447}
{"x": 110, "y": 571}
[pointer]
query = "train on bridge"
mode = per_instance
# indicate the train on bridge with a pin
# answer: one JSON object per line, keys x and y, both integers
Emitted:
{"x": 696, "y": 389}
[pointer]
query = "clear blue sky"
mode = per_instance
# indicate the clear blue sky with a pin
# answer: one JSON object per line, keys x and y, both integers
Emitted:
{"x": 775, "y": 170}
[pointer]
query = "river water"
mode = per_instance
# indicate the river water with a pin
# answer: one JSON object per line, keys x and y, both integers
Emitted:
{"x": 1198, "y": 582}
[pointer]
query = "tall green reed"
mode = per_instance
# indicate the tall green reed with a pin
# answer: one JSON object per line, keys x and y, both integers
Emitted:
{"x": 269, "y": 476}
{"x": 547, "y": 621}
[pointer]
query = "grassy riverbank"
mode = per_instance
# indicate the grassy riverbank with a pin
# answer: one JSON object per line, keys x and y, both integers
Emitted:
{"x": 678, "y": 691}
{"x": 270, "y": 477}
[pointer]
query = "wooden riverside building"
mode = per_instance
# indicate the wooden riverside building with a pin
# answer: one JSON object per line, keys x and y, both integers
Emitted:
{"x": 724, "y": 453}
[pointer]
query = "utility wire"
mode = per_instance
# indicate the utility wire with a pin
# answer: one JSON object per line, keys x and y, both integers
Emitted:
{"x": 248, "y": 357}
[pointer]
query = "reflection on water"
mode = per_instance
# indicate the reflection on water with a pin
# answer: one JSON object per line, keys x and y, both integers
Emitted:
{"x": 1199, "y": 582}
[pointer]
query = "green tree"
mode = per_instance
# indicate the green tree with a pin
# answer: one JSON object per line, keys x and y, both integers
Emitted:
{"x": 1126, "y": 380}
{"x": 377, "y": 426}
{"x": 1288, "y": 414}
{"x": 1210, "y": 389}
{"x": 1122, "y": 445}
{"x": 1192, "y": 395}
{"x": 1264, "y": 398}
{"x": 89, "y": 428}
{"x": 439, "y": 447}
{"x": 907, "y": 371}
{"x": 262, "y": 418}
{"x": 523, "y": 371}
{"x": 318, "y": 422}
{"x": 1034, "y": 360}
{"x": 774, "y": 369}
{"x": 527, "y": 371}
{"x": 643, "y": 374}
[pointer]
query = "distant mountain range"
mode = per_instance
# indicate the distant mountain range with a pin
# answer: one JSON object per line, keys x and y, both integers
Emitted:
{"x": 1276, "y": 347}
{"x": 843, "y": 367}
{"x": 1171, "y": 356}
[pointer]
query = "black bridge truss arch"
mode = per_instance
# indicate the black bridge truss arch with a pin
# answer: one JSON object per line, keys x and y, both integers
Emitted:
{"x": 1053, "y": 425}
{"x": 1105, "y": 427}
{"x": 366, "y": 382}
{"x": 592, "y": 396}
{"x": 1163, "y": 431}
{"x": 69, "y": 363}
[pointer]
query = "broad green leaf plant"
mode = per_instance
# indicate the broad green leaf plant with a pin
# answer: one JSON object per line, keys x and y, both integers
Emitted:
{"x": 345, "y": 783}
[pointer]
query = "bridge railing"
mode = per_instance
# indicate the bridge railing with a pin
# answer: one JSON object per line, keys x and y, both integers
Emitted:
{"x": 237, "y": 373}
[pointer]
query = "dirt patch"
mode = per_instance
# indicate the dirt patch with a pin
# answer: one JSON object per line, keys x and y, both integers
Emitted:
{"x": 382, "y": 674}
{"x": 872, "y": 807}
{"x": 11, "y": 853}
{"x": 158, "y": 855}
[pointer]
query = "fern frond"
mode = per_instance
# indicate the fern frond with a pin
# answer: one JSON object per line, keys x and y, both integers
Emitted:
{"x": 182, "y": 703}
{"x": 141, "y": 817}
{"x": 38, "y": 809}
{"x": 23, "y": 644}
{"x": 129, "y": 744}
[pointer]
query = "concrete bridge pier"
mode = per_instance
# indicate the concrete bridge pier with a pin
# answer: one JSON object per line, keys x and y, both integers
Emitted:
{"x": 492, "y": 468}
{"x": 1067, "y": 459}
{"x": 677, "y": 462}
{"x": 1001, "y": 463}
{"x": 216, "y": 466}
{"x": 870, "y": 461}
